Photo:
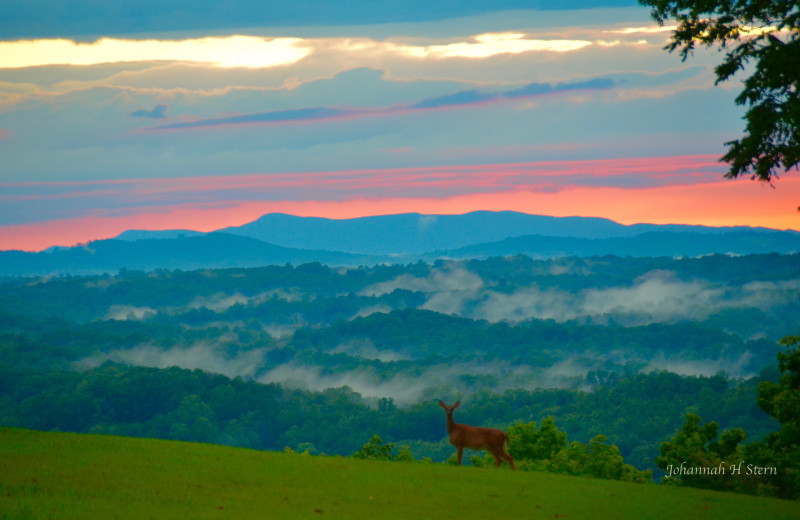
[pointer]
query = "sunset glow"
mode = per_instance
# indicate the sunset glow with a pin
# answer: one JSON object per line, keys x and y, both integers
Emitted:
{"x": 556, "y": 112}
{"x": 528, "y": 188}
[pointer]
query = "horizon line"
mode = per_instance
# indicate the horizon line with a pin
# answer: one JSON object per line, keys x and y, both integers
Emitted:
{"x": 413, "y": 213}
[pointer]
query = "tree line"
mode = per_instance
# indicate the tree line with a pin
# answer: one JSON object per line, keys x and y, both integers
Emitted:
{"x": 636, "y": 412}
{"x": 697, "y": 455}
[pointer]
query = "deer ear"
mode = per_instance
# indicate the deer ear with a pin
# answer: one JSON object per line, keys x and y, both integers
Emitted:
{"x": 458, "y": 403}
{"x": 441, "y": 403}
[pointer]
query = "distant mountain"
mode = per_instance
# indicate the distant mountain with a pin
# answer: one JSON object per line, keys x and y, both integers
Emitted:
{"x": 653, "y": 243}
{"x": 140, "y": 234}
{"x": 414, "y": 234}
{"x": 279, "y": 239}
{"x": 213, "y": 250}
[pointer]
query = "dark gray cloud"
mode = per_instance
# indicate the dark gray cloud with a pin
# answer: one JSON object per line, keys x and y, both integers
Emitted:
{"x": 277, "y": 116}
{"x": 465, "y": 97}
{"x": 159, "y": 112}
{"x": 538, "y": 89}
{"x": 48, "y": 18}
{"x": 462, "y": 98}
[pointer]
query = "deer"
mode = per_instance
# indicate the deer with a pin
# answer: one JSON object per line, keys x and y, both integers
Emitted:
{"x": 476, "y": 438}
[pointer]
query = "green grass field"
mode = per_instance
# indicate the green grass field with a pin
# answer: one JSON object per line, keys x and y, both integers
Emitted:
{"x": 63, "y": 475}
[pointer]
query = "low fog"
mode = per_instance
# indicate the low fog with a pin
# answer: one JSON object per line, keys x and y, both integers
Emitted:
{"x": 657, "y": 296}
{"x": 564, "y": 293}
{"x": 204, "y": 356}
{"x": 411, "y": 386}
{"x": 426, "y": 383}
{"x": 219, "y": 302}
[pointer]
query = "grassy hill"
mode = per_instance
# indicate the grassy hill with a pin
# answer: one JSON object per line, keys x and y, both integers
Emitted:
{"x": 61, "y": 475}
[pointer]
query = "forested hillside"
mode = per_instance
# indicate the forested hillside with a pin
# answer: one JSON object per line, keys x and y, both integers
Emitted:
{"x": 635, "y": 412}
{"x": 321, "y": 358}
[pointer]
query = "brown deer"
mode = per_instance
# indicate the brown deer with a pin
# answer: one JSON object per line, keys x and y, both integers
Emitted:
{"x": 476, "y": 438}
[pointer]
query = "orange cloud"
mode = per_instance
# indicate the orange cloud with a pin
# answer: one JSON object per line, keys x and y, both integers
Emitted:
{"x": 720, "y": 203}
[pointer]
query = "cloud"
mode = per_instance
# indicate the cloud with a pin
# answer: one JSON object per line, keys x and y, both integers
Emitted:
{"x": 561, "y": 188}
{"x": 466, "y": 97}
{"x": 222, "y": 51}
{"x": 654, "y": 297}
{"x": 460, "y": 99}
{"x": 367, "y": 350}
{"x": 222, "y": 302}
{"x": 448, "y": 289}
{"x": 159, "y": 112}
{"x": 203, "y": 356}
{"x": 405, "y": 388}
{"x": 35, "y": 18}
{"x": 644, "y": 30}
{"x": 372, "y": 310}
{"x": 399, "y": 108}
{"x": 247, "y": 51}
{"x": 58, "y": 224}
{"x": 700, "y": 367}
{"x": 452, "y": 278}
{"x": 278, "y": 116}
{"x": 492, "y": 44}
{"x": 128, "y": 312}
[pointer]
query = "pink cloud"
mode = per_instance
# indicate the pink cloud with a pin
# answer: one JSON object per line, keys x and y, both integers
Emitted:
{"x": 341, "y": 185}
{"x": 686, "y": 190}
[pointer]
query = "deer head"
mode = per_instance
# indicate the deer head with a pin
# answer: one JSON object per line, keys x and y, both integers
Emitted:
{"x": 449, "y": 409}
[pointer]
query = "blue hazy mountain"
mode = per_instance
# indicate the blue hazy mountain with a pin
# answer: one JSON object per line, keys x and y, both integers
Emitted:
{"x": 415, "y": 234}
{"x": 279, "y": 239}
{"x": 206, "y": 251}
{"x": 650, "y": 243}
{"x": 140, "y": 234}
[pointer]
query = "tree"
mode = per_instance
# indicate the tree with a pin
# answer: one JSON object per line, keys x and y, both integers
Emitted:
{"x": 547, "y": 449}
{"x": 766, "y": 32}
{"x": 404, "y": 455}
{"x": 375, "y": 449}
{"x": 528, "y": 443}
{"x": 781, "y": 400}
{"x": 695, "y": 457}
{"x": 605, "y": 461}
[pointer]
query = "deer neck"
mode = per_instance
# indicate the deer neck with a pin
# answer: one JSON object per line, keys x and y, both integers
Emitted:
{"x": 451, "y": 424}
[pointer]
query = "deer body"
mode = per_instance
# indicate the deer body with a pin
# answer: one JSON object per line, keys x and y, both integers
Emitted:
{"x": 476, "y": 438}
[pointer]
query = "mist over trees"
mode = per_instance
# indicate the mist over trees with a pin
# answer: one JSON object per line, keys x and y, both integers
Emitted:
{"x": 635, "y": 413}
{"x": 617, "y": 351}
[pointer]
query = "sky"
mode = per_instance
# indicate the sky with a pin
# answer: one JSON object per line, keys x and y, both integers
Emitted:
{"x": 203, "y": 115}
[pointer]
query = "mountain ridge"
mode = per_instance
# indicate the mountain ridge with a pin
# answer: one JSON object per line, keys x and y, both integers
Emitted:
{"x": 654, "y": 243}
{"x": 416, "y": 233}
{"x": 207, "y": 251}
{"x": 278, "y": 238}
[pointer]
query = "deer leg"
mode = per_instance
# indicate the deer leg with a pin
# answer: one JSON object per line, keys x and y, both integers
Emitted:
{"x": 460, "y": 451}
{"x": 500, "y": 455}
{"x": 510, "y": 459}
{"x": 497, "y": 459}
